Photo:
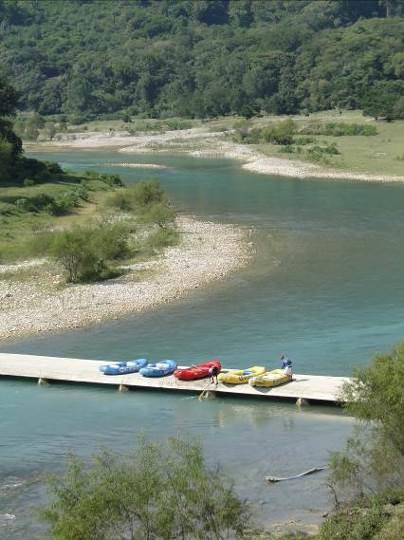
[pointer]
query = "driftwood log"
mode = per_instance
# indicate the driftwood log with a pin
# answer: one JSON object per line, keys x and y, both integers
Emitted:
{"x": 274, "y": 479}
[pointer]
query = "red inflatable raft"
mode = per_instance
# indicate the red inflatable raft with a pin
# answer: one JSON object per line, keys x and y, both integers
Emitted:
{"x": 197, "y": 372}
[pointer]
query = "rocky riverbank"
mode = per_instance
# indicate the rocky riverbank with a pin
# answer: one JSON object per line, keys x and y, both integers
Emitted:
{"x": 34, "y": 305}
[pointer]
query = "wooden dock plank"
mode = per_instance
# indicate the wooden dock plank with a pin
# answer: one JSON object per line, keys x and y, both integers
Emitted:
{"x": 309, "y": 387}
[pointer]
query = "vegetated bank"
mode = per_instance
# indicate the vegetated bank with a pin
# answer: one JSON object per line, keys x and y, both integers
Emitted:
{"x": 36, "y": 303}
{"x": 85, "y": 248}
{"x": 333, "y": 144}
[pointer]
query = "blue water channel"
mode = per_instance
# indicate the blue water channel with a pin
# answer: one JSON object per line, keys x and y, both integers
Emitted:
{"x": 325, "y": 286}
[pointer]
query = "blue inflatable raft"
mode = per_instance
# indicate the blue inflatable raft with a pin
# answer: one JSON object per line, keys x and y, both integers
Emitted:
{"x": 160, "y": 369}
{"x": 123, "y": 368}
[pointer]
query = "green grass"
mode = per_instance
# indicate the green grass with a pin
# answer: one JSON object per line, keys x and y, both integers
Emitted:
{"x": 377, "y": 154}
{"x": 23, "y": 235}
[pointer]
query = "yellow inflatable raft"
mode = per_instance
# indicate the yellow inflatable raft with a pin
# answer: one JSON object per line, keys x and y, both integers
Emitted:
{"x": 271, "y": 378}
{"x": 240, "y": 376}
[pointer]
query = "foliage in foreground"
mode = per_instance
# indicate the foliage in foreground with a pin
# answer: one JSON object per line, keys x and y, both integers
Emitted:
{"x": 370, "y": 470}
{"x": 374, "y": 456}
{"x": 158, "y": 491}
{"x": 368, "y": 518}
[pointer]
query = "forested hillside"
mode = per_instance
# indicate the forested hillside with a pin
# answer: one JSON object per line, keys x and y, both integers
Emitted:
{"x": 203, "y": 58}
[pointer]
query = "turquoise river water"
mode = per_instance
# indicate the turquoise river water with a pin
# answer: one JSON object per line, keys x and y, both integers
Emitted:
{"x": 325, "y": 286}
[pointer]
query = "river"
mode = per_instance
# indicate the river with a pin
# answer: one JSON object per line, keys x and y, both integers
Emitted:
{"x": 325, "y": 287}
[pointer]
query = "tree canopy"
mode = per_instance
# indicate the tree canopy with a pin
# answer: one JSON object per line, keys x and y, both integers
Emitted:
{"x": 202, "y": 58}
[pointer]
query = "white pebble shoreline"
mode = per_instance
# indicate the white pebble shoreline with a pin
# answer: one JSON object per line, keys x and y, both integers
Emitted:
{"x": 207, "y": 252}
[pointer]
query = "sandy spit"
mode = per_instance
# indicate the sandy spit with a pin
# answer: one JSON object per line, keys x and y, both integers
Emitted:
{"x": 257, "y": 162}
{"x": 138, "y": 165}
{"x": 207, "y": 252}
{"x": 200, "y": 142}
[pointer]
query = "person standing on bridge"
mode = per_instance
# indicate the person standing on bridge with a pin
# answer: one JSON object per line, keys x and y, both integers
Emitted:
{"x": 213, "y": 373}
{"x": 286, "y": 365}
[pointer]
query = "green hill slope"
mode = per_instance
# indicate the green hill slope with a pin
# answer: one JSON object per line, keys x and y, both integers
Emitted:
{"x": 200, "y": 57}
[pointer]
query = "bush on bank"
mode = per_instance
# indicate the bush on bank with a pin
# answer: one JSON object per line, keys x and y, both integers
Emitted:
{"x": 85, "y": 252}
{"x": 89, "y": 253}
{"x": 159, "y": 491}
{"x": 367, "y": 478}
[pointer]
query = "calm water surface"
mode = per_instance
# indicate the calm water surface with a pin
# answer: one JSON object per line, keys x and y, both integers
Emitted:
{"x": 325, "y": 286}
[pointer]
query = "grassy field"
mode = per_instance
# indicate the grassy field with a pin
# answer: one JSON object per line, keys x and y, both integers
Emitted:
{"x": 20, "y": 231}
{"x": 381, "y": 154}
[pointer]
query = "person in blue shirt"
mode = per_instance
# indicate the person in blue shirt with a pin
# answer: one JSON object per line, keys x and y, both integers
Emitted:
{"x": 286, "y": 365}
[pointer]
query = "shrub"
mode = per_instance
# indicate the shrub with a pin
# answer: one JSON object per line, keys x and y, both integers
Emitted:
{"x": 110, "y": 179}
{"x": 373, "y": 458}
{"x": 28, "y": 182}
{"x": 7, "y": 209}
{"x": 111, "y": 240}
{"x": 77, "y": 119}
{"x": 178, "y": 123}
{"x": 63, "y": 204}
{"x": 280, "y": 133}
{"x": 138, "y": 197}
{"x": 75, "y": 252}
{"x": 43, "y": 202}
{"x": 54, "y": 168}
{"x": 121, "y": 200}
{"x": 158, "y": 213}
{"x": 338, "y": 129}
{"x": 158, "y": 491}
{"x": 85, "y": 251}
{"x": 145, "y": 193}
{"x": 354, "y": 523}
{"x": 162, "y": 238}
{"x": 277, "y": 133}
{"x": 319, "y": 153}
{"x": 36, "y": 203}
